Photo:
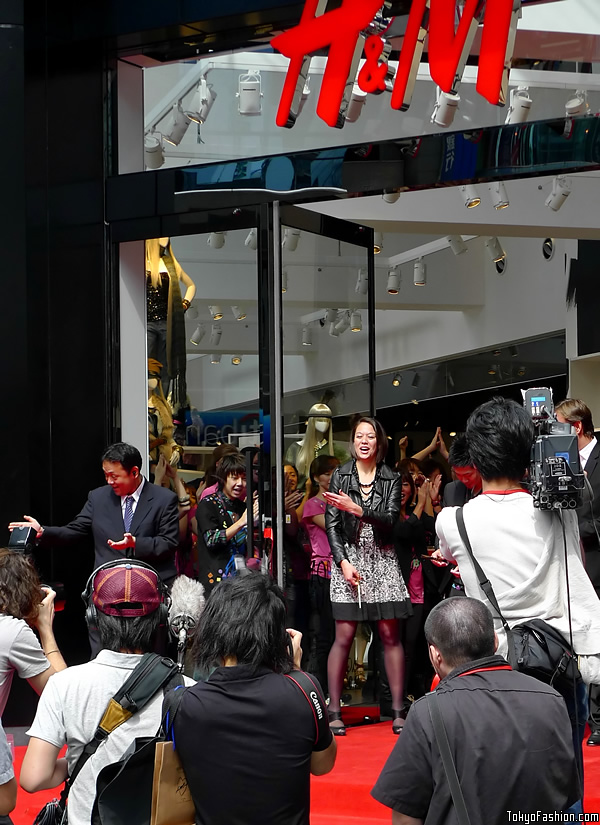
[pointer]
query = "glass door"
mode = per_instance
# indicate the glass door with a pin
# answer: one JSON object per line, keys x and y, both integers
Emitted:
{"x": 325, "y": 356}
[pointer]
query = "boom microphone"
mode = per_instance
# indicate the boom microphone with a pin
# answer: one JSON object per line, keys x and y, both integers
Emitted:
{"x": 187, "y": 604}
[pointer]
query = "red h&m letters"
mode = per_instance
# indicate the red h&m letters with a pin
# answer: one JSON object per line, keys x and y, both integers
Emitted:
{"x": 448, "y": 49}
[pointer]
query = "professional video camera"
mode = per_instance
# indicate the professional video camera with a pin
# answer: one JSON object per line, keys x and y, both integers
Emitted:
{"x": 556, "y": 479}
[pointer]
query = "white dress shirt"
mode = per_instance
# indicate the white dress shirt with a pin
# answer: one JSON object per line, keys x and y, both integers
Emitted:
{"x": 585, "y": 453}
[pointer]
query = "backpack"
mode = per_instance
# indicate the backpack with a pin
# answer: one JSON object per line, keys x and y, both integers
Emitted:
{"x": 124, "y": 788}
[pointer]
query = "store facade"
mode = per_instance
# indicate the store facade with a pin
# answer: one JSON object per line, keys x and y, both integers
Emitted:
{"x": 77, "y": 325}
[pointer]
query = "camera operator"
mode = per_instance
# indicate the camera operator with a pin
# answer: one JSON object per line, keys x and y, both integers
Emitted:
{"x": 576, "y": 413}
{"x": 521, "y": 548}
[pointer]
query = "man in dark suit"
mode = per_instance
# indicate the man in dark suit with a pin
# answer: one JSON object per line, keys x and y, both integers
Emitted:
{"x": 578, "y": 414}
{"x": 128, "y": 517}
{"x": 468, "y": 480}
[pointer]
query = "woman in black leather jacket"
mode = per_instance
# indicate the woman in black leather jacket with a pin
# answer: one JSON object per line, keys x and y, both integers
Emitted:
{"x": 363, "y": 504}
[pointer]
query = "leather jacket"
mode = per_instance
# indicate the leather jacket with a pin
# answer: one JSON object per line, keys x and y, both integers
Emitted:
{"x": 342, "y": 527}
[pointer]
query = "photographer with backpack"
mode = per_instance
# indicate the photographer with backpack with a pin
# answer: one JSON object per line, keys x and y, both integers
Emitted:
{"x": 126, "y": 602}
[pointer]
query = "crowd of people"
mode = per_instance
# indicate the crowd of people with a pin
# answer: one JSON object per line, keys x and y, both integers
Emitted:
{"x": 367, "y": 547}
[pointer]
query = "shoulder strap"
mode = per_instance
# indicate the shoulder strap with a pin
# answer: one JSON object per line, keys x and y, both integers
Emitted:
{"x": 315, "y": 699}
{"x": 441, "y": 737}
{"x": 486, "y": 585}
{"x": 152, "y": 672}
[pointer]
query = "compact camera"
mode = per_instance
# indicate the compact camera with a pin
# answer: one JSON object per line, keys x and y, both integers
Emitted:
{"x": 22, "y": 539}
{"x": 555, "y": 476}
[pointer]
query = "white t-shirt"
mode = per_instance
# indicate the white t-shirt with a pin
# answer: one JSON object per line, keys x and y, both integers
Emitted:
{"x": 70, "y": 708}
{"x": 522, "y": 553}
{"x": 6, "y": 764}
{"x": 20, "y": 650}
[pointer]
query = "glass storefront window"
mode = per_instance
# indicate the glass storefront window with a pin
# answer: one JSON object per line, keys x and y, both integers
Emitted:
{"x": 325, "y": 285}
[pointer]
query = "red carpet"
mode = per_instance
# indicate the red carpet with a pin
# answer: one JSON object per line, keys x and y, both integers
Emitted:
{"x": 343, "y": 796}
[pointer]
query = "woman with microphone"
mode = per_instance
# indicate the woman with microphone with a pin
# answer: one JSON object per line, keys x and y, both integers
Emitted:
{"x": 363, "y": 504}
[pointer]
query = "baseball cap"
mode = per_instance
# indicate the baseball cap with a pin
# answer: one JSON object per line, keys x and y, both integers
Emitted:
{"x": 126, "y": 590}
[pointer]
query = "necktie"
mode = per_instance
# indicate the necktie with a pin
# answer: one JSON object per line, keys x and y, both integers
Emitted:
{"x": 128, "y": 517}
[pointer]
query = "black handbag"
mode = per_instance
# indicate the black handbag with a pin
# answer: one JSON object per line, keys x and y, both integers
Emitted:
{"x": 534, "y": 647}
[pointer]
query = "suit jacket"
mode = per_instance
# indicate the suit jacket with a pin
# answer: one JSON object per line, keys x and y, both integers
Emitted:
{"x": 589, "y": 512}
{"x": 456, "y": 494}
{"x": 155, "y": 526}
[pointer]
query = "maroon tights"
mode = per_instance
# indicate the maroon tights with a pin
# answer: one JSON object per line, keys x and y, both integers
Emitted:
{"x": 393, "y": 654}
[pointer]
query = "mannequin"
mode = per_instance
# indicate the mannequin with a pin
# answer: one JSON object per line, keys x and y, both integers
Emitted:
{"x": 160, "y": 419}
{"x": 317, "y": 440}
{"x": 165, "y": 311}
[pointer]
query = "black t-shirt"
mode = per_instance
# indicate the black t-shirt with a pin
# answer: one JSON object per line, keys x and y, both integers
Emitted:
{"x": 245, "y": 739}
{"x": 511, "y": 742}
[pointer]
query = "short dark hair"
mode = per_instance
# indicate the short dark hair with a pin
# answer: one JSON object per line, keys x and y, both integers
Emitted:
{"x": 137, "y": 633}
{"x": 319, "y": 466}
{"x": 409, "y": 465}
{"x": 245, "y": 618}
{"x": 500, "y": 434}
{"x": 458, "y": 455}
{"x": 462, "y": 629}
{"x": 230, "y": 465}
{"x": 382, "y": 442}
{"x": 125, "y": 454}
{"x": 573, "y": 410}
{"x": 429, "y": 466}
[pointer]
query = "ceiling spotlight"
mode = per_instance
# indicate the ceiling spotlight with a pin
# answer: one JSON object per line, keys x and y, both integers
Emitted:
{"x": 238, "y": 313}
{"x": 215, "y": 312}
{"x": 356, "y": 321}
{"x": 452, "y": 433}
{"x": 290, "y": 239}
{"x": 390, "y": 195}
{"x": 445, "y": 108}
{"x": 420, "y": 272}
{"x": 492, "y": 369}
{"x": 362, "y": 282}
{"x": 377, "y": 242}
{"x": 357, "y": 101}
{"x": 393, "y": 282}
{"x": 343, "y": 323}
{"x": 496, "y": 352}
{"x": 198, "y": 335}
{"x": 191, "y": 313}
{"x": 514, "y": 351}
{"x": 520, "y": 104}
{"x": 249, "y": 94}
{"x": 470, "y": 197}
{"x": 252, "y": 240}
{"x": 284, "y": 280}
{"x": 561, "y": 190}
{"x": 499, "y": 196}
{"x": 331, "y": 316}
{"x": 397, "y": 380}
{"x": 416, "y": 381}
{"x": 457, "y": 245}
{"x": 203, "y": 101}
{"x": 577, "y": 105}
{"x": 521, "y": 372}
{"x": 216, "y": 240}
{"x": 236, "y": 360}
{"x": 333, "y": 330}
{"x": 180, "y": 126}
{"x": 306, "y": 337}
{"x": 215, "y": 358}
{"x": 450, "y": 380}
{"x": 215, "y": 335}
{"x": 154, "y": 157}
{"x": 495, "y": 251}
